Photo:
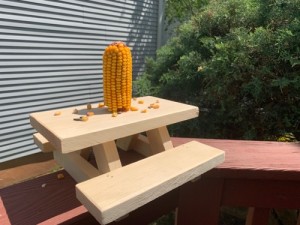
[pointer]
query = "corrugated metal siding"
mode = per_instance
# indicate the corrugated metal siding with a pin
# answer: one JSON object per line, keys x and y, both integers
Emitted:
{"x": 50, "y": 57}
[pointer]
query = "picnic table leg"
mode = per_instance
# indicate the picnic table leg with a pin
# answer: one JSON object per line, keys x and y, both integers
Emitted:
{"x": 159, "y": 140}
{"x": 257, "y": 216}
{"x": 78, "y": 167}
{"x": 199, "y": 202}
{"x": 127, "y": 143}
{"x": 155, "y": 141}
{"x": 107, "y": 156}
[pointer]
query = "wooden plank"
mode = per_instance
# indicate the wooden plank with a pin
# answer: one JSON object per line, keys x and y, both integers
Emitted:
{"x": 76, "y": 166}
{"x": 42, "y": 143}
{"x": 262, "y": 193}
{"x": 107, "y": 157}
{"x": 67, "y": 135}
{"x": 114, "y": 194}
{"x": 142, "y": 145}
{"x": 126, "y": 143}
{"x": 199, "y": 202}
{"x": 257, "y": 216}
{"x": 247, "y": 159}
{"x": 38, "y": 200}
{"x": 46, "y": 146}
{"x": 159, "y": 140}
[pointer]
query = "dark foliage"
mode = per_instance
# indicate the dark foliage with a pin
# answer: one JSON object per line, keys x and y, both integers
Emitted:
{"x": 238, "y": 60}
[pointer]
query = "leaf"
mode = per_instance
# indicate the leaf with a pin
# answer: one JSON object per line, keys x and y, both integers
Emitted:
{"x": 281, "y": 82}
{"x": 294, "y": 62}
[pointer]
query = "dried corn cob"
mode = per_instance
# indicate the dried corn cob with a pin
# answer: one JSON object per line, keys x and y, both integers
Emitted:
{"x": 117, "y": 77}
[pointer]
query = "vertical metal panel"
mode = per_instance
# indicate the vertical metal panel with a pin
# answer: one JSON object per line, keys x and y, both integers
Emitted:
{"x": 50, "y": 57}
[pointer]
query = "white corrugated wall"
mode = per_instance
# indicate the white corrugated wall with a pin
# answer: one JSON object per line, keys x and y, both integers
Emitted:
{"x": 51, "y": 57}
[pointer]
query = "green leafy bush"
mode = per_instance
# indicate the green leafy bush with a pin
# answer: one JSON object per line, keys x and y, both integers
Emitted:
{"x": 238, "y": 60}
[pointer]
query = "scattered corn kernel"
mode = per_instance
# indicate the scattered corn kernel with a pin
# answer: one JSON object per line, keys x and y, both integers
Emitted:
{"x": 90, "y": 113}
{"x": 75, "y": 111}
{"x": 132, "y": 108}
{"x": 144, "y": 111}
{"x": 151, "y": 105}
{"x": 100, "y": 105}
{"x": 157, "y": 101}
{"x": 134, "y": 98}
{"x": 114, "y": 114}
{"x": 57, "y": 113}
{"x": 60, "y": 176}
{"x": 84, "y": 118}
{"x": 89, "y": 106}
{"x": 141, "y": 101}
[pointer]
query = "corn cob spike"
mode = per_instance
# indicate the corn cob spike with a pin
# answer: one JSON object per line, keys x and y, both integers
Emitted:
{"x": 117, "y": 77}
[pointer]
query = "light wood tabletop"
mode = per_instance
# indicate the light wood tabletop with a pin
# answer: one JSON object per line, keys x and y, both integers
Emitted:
{"x": 67, "y": 135}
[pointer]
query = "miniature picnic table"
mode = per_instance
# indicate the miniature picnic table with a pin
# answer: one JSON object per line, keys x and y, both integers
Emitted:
{"x": 111, "y": 191}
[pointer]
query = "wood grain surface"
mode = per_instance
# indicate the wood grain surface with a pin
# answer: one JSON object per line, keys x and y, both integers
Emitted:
{"x": 254, "y": 159}
{"x": 67, "y": 134}
{"x": 116, "y": 193}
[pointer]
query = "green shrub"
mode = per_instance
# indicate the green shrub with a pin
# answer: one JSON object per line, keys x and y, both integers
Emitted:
{"x": 238, "y": 60}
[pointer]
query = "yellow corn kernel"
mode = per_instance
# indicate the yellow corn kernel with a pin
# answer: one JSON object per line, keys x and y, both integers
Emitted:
{"x": 84, "y": 118}
{"x": 141, "y": 101}
{"x": 89, "y": 106}
{"x": 132, "y": 108}
{"x": 144, "y": 111}
{"x": 90, "y": 113}
{"x": 154, "y": 105}
{"x": 117, "y": 77}
{"x": 60, "y": 176}
{"x": 100, "y": 105}
{"x": 58, "y": 113}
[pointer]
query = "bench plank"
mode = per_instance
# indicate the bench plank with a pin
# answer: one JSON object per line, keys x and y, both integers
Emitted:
{"x": 43, "y": 143}
{"x": 116, "y": 193}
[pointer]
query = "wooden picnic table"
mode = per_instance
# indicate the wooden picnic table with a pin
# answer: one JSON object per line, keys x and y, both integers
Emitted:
{"x": 71, "y": 139}
{"x": 121, "y": 190}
